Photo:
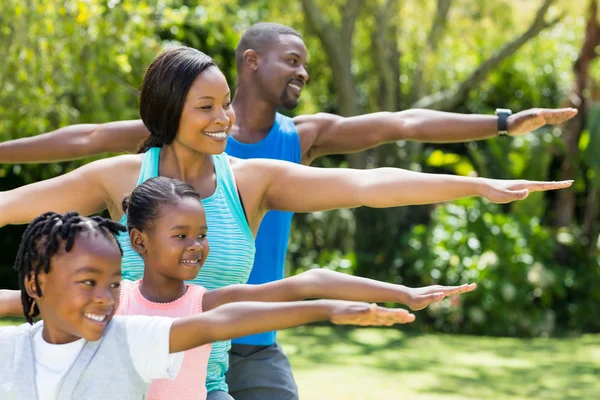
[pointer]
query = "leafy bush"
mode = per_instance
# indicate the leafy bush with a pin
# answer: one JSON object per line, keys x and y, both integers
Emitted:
{"x": 532, "y": 280}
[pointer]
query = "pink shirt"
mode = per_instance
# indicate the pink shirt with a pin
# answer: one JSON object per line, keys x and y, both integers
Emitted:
{"x": 190, "y": 383}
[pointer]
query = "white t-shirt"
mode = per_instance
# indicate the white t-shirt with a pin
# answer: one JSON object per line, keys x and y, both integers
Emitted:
{"x": 148, "y": 339}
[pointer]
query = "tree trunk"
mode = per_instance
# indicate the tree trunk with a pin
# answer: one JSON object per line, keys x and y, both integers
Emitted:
{"x": 565, "y": 204}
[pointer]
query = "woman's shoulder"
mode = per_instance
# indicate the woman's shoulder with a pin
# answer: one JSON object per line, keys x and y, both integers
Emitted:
{"x": 118, "y": 166}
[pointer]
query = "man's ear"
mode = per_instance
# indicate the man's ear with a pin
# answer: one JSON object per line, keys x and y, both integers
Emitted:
{"x": 138, "y": 240}
{"x": 30, "y": 287}
{"x": 251, "y": 59}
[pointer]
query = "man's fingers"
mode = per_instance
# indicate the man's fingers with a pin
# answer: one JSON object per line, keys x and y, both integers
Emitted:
{"x": 557, "y": 116}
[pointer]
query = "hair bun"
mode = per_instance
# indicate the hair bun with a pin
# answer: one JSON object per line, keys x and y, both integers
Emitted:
{"x": 125, "y": 203}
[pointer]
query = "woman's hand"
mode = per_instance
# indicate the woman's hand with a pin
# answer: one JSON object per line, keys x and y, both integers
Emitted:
{"x": 501, "y": 191}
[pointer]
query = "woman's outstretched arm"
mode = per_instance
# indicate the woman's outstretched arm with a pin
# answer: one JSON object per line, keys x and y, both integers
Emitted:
{"x": 87, "y": 190}
{"x": 290, "y": 187}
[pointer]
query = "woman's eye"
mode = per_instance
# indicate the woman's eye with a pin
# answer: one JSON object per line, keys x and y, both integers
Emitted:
{"x": 226, "y": 106}
{"x": 205, "y": 107}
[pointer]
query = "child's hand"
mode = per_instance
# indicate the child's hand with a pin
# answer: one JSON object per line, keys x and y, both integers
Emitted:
{"x": 419, "y": 298}
{"x": 351, "y": 313}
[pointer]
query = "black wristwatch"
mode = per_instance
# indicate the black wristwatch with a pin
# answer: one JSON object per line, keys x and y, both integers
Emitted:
{"x": 503, "y": 114}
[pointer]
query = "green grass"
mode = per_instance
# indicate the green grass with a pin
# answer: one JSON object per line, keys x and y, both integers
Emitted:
{"x": 385, "y": 363}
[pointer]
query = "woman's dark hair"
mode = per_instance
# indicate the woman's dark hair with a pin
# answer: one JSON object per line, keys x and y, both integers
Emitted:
{"x": 42, "y": 240}
{"x": 142, "y": 206}
{"x": 165, "y": 87}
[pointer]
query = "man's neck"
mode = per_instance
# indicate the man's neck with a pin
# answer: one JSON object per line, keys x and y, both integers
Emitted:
{"x": 254, "y": 116}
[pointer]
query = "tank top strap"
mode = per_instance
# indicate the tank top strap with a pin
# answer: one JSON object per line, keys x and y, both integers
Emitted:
{"x": 226, "y": 181}
{"x": 149, "y": 167}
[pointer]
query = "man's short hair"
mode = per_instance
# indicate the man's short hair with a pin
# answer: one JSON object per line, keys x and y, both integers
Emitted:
{"x": 259, "y": 36}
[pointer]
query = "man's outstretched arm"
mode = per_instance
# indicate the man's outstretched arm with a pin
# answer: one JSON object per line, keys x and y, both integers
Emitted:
{"x": 322, "y": 134}
{"x": 75, "y": 141}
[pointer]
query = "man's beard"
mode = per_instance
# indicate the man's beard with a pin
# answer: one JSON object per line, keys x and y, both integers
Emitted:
{"x": 287, "y": 101}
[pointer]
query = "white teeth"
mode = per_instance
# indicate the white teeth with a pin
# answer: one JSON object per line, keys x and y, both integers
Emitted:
{"x": 190, "y": 261}
{"x": 94, "y": 317}
{"x": 296, "y": 87}
{"x": 218, "y": 135}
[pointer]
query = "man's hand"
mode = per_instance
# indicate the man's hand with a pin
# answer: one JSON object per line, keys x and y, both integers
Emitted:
{"x": 530, "y": 120}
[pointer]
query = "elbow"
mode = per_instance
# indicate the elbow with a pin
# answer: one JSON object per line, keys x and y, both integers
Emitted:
{"x": 314, "y": 283}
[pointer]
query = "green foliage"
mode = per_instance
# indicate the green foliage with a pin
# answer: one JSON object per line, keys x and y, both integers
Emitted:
{"x": 532, "y": 280}
{"x": 67, "y": 62}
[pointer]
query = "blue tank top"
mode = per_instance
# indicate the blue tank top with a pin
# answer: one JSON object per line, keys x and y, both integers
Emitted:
{"x": 231, "y": 249}
{"x": 281, "y": 143}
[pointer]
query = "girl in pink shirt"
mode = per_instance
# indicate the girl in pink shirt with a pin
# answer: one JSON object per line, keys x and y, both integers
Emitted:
{"x": 167, "y": 226}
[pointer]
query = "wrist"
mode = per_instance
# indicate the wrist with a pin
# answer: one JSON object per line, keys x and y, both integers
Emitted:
{"x": 405, "y": 294}
{"x": 503, "y": 114}
{"x": 480, "y": 186}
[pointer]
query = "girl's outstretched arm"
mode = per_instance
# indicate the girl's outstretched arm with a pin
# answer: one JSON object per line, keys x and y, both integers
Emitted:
{"x": 10, "y": 303}
{"x": 246, "y": 318}
{"x": 323, "y": 283}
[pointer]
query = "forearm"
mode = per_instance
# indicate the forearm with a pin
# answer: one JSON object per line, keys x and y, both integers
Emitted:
{"x": 391, "y": 187}
{"x": 326, "y": 284}
{"x": 10, "y": 303}
{"x": 442, "y": 127}
{"x": 244, "y": 318}
{"x": 66, "y": 143}
{"x": 75, "y": 141}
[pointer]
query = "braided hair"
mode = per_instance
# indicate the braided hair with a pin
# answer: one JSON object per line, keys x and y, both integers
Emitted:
{"x": 43, "y": 239}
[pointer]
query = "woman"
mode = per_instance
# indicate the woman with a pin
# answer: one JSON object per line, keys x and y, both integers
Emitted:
{"x": 185, "y": 104}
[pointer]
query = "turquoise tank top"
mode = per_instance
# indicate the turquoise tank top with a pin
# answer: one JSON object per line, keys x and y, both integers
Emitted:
{"x": 231, "y": 249}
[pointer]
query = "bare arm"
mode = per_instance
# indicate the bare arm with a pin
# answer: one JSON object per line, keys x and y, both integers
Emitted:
{"x": 291, "y": 187}
{"x": 322, "y": 134}
{"x": 87, "y": 190}
{"x": 246, "y": 318}
{"x": 75, "y": 141}
{"x": 10, "y": 303}
{"x": 326, "y": 284}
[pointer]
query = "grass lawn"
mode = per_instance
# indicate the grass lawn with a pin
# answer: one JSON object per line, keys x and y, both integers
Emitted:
{"x": 373, "y": 363}
{"x": 386, "y": 364}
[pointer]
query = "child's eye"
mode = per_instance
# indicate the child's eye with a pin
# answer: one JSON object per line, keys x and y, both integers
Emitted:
{"x": 89, "y": 282}
{"x": 115, "y": 285}
{"x": 201, "y": 236}
{"x": 181, "y": 236}
{"x": 226, "y": 106}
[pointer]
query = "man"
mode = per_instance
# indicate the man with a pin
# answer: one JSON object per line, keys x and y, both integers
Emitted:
{"x": 271, "y": 61}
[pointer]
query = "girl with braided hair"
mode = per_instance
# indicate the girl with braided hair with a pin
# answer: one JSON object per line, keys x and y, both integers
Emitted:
{"x": 167, "y": 225}
{"x": 70, "y": 275}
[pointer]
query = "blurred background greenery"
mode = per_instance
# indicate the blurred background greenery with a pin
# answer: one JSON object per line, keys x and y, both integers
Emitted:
{"x": 536, "y": 262}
